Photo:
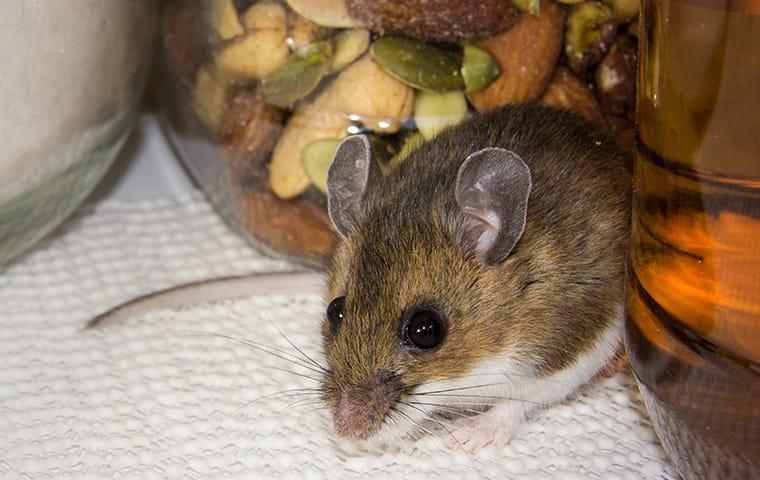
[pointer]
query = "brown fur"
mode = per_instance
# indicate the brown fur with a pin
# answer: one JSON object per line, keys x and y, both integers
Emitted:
{"x": 547, "y": 302}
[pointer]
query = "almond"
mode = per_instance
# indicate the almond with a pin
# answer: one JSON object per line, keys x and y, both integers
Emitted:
{"x": 527, "y": 54}
{"x": 296, "y": 227}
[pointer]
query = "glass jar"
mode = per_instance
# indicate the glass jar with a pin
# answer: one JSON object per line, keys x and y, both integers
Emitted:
{"x": 693, "y": 305}
{"x": 72, "y": 75}
{"x": 259, "y": 93}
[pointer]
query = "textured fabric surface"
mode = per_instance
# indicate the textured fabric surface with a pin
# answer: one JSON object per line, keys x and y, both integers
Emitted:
{"x": 157, "y": 397}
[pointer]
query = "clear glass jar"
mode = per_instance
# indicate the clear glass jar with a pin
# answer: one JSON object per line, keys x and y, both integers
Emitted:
{"x": 72, "y": 75}
{"x": 260, "y": 92}
{"x": 693, "y": 306}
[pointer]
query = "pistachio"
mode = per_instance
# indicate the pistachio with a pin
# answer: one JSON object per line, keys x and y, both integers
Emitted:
{"x": 527, "y": 54}
{"x": 298, "y": 77}
{"x": 567, "y": 91}
{"x": 527, "y": 6}
{"x": 348, "y": 46}
{"x": 328, "y": 13}
{"x": 418, "y": 65}
{"x": 479, "y": 68}
{"x": 587, "y": 26}
{"x": 316, "y": 158}
{"x": 445, "y": 21}
{"x": 263, "y": 49}
{"x": 434, "y": 111}
{"x": 225, "y": 19}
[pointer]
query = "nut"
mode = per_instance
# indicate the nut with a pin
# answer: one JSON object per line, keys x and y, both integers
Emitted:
{"x": 328, "y": 13}
{"x": 363, "y": 89}
{"x": 294, "y": 227}
{"x": 566, "y": 91}
{"x": 247, "y": 135}
{"x": 616, "y": 77}
{"x": 416, "y": 64}
{"x": 263, "y": 49}
{"x": 435, "y": 20}
{"x": 527, "y": 54}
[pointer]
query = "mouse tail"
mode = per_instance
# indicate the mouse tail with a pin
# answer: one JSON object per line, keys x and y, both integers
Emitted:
{"x": 205, "y": 291}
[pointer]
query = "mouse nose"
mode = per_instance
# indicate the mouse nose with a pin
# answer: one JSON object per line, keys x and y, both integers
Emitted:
{"x": 360, "y": 412}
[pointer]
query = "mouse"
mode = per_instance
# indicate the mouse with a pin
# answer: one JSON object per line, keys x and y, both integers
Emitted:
{"x": 476, "y": 283}
{"x": 479, "y": 281}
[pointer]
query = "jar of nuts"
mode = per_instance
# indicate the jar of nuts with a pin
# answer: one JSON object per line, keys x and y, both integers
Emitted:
{"x": 260, "y": 92}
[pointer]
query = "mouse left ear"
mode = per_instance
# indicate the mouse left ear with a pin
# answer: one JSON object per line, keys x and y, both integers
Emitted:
{"x": 351, "y": 173}
{"x": 492, "y": 190}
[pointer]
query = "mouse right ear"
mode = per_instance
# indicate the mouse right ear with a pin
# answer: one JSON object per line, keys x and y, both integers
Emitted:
{"x": 492, "y": 190}
{"x": 350, "y": 173}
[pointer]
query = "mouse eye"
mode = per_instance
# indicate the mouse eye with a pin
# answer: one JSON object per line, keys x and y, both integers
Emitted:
{"x": 335, "y": 314}
{"x": 425, "y": 329}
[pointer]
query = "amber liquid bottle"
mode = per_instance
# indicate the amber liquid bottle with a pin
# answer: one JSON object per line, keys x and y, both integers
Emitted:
{"x": 693, "y": 301}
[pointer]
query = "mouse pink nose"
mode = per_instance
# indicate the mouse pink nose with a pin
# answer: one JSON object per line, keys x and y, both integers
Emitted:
{"x": 349, "y": 417}
{"x": 359, "y": 416}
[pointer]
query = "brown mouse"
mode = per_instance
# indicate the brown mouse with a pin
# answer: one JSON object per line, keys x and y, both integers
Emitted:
{"x": 484, "y": 274}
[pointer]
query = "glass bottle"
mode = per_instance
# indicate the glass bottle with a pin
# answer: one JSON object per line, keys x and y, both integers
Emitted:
{"x": 693, "y": 301}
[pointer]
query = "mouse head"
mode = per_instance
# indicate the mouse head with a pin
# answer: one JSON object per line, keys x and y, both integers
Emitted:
{"x": 410, "y": 297}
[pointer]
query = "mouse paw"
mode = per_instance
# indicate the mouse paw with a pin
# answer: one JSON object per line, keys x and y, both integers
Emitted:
{"x": 492, "y": 428}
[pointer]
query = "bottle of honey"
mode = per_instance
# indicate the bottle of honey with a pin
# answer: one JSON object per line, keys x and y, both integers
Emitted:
{"x": 693, "y": 301}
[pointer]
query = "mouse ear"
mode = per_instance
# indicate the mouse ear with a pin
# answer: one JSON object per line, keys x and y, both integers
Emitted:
{"x": 351, "y": 171}
{"x": 492, "y": 190}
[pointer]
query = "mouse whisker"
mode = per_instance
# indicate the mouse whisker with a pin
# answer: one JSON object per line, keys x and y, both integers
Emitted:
{"x": 413, "y": 422}
{"x": 393, "y": 418}
{"x": 314, "y": 408}
{"x": 266, "y": 349}
{"x": 493, "y": 397}
{"x": 303, "y": 402}
{"x": 434, "y": 435}
{"x": 446, "y": 429}
{"x": 298, "y": 374}
{"x": 303, "y": 354}
{"x": 469, "y": 387}
{"x": 290, "y": 391}
{"x": 532, "y": 378}
{"x": 456, "y": 409}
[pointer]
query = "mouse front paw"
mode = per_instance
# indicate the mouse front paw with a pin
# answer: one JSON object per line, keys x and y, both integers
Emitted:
{"x": 495, "y": 427}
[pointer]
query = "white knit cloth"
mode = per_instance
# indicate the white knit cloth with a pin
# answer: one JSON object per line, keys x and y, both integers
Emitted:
{"x": 154, "y": 398}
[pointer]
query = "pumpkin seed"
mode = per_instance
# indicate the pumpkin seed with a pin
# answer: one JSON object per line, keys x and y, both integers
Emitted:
{"x": 417, "y": 65}
{"x": 479, "y": 68}
{"x": 348, "y": 46}
{"x": 298, "y": 77}
{"x": 316, "y": 158}
{"x": 435, "y": 111}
